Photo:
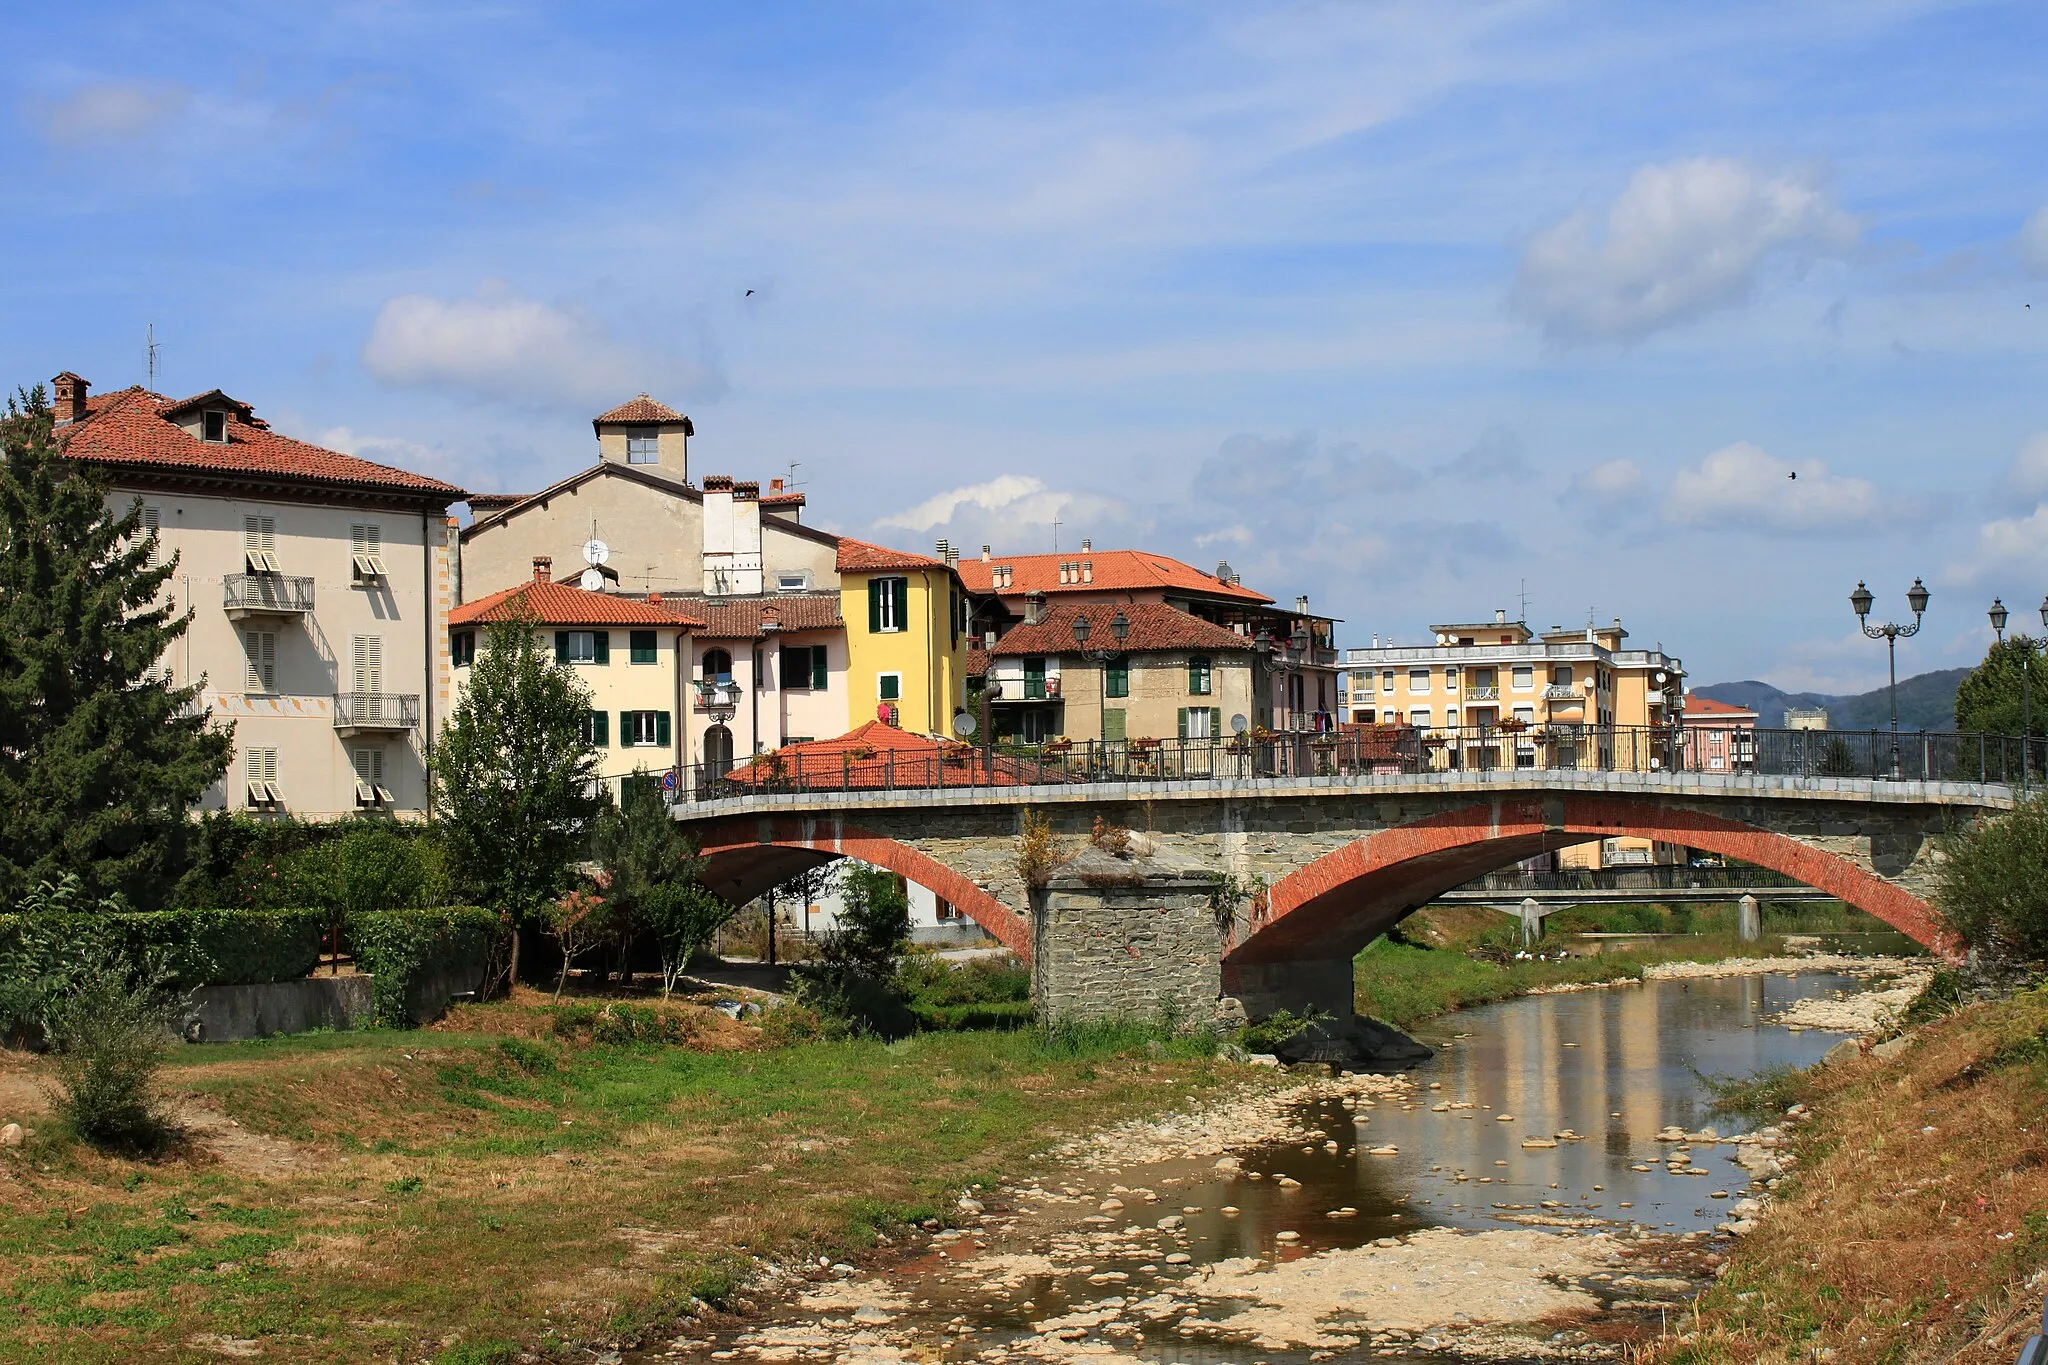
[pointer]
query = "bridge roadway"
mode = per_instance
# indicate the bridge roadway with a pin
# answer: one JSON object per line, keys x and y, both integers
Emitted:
{"x": 1258, "y": 892}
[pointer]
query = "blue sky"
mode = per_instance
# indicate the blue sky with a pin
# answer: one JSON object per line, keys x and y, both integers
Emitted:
{"x": 1399, "y": 306}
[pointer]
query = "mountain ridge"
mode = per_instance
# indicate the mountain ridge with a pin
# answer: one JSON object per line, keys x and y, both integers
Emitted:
{"x": 1927, "y": 701}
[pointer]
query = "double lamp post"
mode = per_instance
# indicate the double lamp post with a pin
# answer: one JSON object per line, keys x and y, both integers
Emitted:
{"x": 1998, "y": 618}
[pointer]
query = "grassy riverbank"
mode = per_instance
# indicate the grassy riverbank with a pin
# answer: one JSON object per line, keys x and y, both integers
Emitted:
{"x": 455, "y": 1193}
{"x": 1916, "y": 1227}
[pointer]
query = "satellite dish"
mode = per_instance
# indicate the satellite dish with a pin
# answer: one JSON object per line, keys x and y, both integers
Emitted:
{"x": 963, "y": 725}
{"x": 592, "y": 581}
{"x": 595, "y": 552}
{"x": 1238, "y": 724}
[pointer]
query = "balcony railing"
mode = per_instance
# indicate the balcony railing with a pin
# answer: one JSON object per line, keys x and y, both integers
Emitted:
{"x": 381, "y": 712}
{"x": 721, "y": 695}
{"x": 1562, "y": 692}
{"x": 1488, "y": 692}
{"x": 266, "y": 594}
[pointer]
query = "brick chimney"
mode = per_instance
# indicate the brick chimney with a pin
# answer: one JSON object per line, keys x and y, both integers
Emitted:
{"x": 69, "y": 392}
{"x": 1034, "y": 606}
{"x": 542, "y": 568}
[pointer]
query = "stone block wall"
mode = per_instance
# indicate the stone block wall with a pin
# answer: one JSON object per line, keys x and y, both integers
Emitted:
{"x": 1113, "y": 936}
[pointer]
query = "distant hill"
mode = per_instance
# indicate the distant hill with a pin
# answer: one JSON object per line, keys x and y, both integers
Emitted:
{"x": 1926, "y": 702}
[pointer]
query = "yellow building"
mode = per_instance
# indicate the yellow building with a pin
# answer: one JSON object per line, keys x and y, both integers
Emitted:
{"x": 631, "y": 652}
{"x": 906, "y": 626}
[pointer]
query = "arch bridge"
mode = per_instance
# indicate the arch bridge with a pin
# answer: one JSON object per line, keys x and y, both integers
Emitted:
{"x": 1259, "y": 891}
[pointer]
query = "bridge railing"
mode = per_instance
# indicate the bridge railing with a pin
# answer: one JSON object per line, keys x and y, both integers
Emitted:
{"x": 1649, "y": 877}
{"x": 1918, "y": 756}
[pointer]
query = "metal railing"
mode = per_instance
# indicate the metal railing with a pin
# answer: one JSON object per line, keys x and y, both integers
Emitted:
{"x": 716, "y": 696}
{"x": 376, "y": 711}
{"x": 283, "y": 594}
{"x": 1656, "y": 877}
{"x": 1972, "y": 759}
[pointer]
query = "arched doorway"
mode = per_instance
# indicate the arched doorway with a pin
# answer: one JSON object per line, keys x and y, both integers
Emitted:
{"x": 717, "y": 750}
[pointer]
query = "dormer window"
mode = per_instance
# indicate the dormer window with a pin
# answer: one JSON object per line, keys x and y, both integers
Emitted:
{"x": 793, "y": 580}
{"x": 213, "y": 426}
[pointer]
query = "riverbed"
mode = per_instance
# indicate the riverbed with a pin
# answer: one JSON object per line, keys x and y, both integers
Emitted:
{"x": 1534, "y": 1172}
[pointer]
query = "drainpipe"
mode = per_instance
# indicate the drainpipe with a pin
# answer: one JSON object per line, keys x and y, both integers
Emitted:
{"x": 754, "y": 703}
{"x": 427, "y": 693}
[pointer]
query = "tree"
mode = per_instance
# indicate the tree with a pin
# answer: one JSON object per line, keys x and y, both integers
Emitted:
{"x": 101, "y": 759}
{"x": 369, "y": 868}
{"x": 652, "y": 869}
{"x": 579, "y": 921}
{"x": 1991, "y": 700}
{"x": 1991, "y": 882}
{"x": 515, "y": 782}
{"x": 853, "y": 985}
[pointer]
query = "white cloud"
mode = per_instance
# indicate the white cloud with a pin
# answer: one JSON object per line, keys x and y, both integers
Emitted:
{"x": 1002, "y": 491}
{"x": 396, "y": 451}
{"x": 501, "y": 345}
{"x": 1684, "y": 239}
{"x": 1239, "y": 534}
{"x": 2034, "y": 240}
{"x": 2028, "y": 476}
{"x": 107, "y": 112}
{"x": 2010, "y": 543}
{"x": 1010, "y": 508}
{"x": 1614, "y": 479}
{"x": 1746, "y": 488}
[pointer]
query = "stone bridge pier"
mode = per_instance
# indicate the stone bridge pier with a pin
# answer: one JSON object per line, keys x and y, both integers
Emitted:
{"x": 1246, "y": 898}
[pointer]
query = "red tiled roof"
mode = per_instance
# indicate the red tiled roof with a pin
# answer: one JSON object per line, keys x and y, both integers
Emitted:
{"x": 742, "y": 618}
{"x": 1707, "y": 706}
{"x": 557, "y": 604}
{"x": 879, "y": 755}
{"x": 976, "y": 665}
{"x": 127, "y": 428}
{"x": 1154, "y": 626}
{"x": 491, "y": 502}
{"x": 640, "y": 409}
{"x": 782, "y": 500}
{"x": 1111, "y": 571}
{"x": 856, "y": 556}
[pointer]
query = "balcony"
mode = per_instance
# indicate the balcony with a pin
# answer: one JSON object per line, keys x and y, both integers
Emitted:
{"x": 375, "y": 713}
{"x": 1486, "y": 693}
{"x": 722, "y": 694}
{"x": 1563, "y": 692}
{"x": 245, "y": 595}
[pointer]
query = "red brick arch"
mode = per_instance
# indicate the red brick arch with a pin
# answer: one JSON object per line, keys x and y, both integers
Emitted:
{"x": 733, "y": 846}
{"x": 1347, "y": 897}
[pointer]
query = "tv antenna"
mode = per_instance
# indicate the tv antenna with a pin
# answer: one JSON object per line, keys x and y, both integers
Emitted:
{"x": 789, "y": 484}
{"x": 1523, "y": 616}
{"x": 149, "y": 345}
{"x": 1055, "y": 535}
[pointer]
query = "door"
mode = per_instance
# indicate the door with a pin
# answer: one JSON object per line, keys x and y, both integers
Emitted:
{"x": 367, "y": 676}
{"x": 717, "y": 751}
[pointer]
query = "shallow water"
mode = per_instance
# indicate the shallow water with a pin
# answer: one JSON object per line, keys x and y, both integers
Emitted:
{"x": 1612, "y": 1066}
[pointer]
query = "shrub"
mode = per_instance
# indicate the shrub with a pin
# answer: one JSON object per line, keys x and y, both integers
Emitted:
{"x": 1991, "y": 882}
{"x": 853, "y": 985}
{"x": 1266, "y": 1035}
{"x": 402, "y": 948}
{"x": 110, "y": 1028}
{"x": 196, "y": 947}
{"x": 1039, "y": 850}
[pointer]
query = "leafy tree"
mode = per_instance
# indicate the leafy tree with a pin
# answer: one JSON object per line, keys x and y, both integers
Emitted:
{"x": 853, "y": 985}
{"x": 1992, "y": 882}
{"x": 652, "y": 869}
{"x": 515, "y": 782}
{"x": 101, "y": 761}
{"x": 578, "y": 921}
{"x": 1991, "y": 700}
{"x": 370, "y": 867}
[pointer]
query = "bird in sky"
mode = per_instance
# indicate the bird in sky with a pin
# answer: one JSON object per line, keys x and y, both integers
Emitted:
{"x": 749, "y": 294}
{"x": 1793, "y": 475}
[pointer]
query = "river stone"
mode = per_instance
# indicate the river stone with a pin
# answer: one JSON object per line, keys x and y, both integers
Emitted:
{"x": 1845, "y": 1051}
{"x": 1891, "y": 1048}
{"x": 11, "y": 1135}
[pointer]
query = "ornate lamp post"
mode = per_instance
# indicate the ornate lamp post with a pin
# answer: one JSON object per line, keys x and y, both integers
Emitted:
{"x": 1998, "y": 617}
{"x": 1119, "y": 627}
{"x": 1891, "y": 634}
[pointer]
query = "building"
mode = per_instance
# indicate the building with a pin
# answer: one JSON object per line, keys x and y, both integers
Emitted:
{"x": 631, "y": 653}
{"x": 1171, "y": 676}
{"x": 765, "y": 671}
{"x": 1806, "y": 718}
{"x": 1297, "y": 681}
{"x": 319, "y": 586}
{"x": 906, "y": 631}
{"x": 1719, "y": 737}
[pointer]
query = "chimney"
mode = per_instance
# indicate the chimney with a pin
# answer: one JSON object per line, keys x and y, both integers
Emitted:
{"x": 542, "y": 567}
{"x": 748, "y": 490}
{"x": 654, "y": 599}
{"x": 944, "y": 547}
{"x": 774, "y": 486}
{"x": 1087, "y": 567}
{"x": 69, "y": 391}
{"x": 1063, "y": 573}
{"x": 1301, "y": 604}
{"x": 1500, "y": 616}
{"x": 1034, "y": 606}
{"x": 1617, "y": 623}
{"x": 984, "y": 554}
{"x": 1087, "y": 545}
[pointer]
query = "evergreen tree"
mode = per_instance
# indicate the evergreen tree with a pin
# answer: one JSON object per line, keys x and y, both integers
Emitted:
{"x": 515, "y": 781}
{"x": 101, "y": 762}
{"x": 652, "y": 880}
{"x": 1991, "y": 700}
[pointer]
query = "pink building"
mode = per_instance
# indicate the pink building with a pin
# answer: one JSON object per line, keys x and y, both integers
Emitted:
{"x": 1718, "y": 737}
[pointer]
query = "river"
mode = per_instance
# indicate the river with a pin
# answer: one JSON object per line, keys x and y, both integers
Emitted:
{"x": 1388, "y": 1200}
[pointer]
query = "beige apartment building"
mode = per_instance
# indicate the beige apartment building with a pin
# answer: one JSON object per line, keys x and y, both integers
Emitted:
{"x": 1171, "y": 676}
{"x": 319, "y": 586}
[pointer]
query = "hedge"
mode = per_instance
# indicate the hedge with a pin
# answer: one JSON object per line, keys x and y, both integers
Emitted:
{"x": 402, "y": 948}
{"x": 200, "y": 947}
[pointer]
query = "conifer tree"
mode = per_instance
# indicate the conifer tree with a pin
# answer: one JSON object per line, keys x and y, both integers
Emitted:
{"x": 101, "y": 759}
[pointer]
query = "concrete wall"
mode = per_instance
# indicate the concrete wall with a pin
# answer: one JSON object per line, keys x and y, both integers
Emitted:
{"x": 228, "y": 1014}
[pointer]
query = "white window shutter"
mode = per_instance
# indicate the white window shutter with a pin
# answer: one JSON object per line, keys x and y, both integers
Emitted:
{"x": 152, "y": 525}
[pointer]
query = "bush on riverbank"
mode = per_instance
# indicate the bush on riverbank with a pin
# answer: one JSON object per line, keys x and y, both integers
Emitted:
{"x": 1991, "y": 883}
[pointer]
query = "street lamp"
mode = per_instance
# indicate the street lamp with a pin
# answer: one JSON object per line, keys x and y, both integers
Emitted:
{"x": 1998, "y": 619}
{"x": 1119, "y": 627}
{"x": 1891, "y": 634}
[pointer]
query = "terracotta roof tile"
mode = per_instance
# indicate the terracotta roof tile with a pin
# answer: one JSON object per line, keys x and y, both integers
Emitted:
{"x": 557, "y": 604}
{"x": 127, "y": 429}
{"x": 1111, "y": 571}
{"x": 1154, "y": 626}
{"x": 1707, "y": 706}
{"x": 741, "y": 618}
{"x": 856, "y": 556}
{"x": 641, "y": 409}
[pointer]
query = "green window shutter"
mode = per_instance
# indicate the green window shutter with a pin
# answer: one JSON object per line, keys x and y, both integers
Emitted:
{"x": 642, "y": 643}
{"x": 956, "y": 615}
{"x": 820, "y": 678}
{"x": 1215, "y": 722}
{"x": 661, "y": 730}
{"x": 625, "y": 729}
{"x": 601, "y": 728}
{"x": 561, "y": 646}
{"x": 874, "y": 606}
{"x": 795, "y": 666}
{"x": 602, "y": 639}
{"x": 1113, "y": 723}
{"x": 1183, "y": 722}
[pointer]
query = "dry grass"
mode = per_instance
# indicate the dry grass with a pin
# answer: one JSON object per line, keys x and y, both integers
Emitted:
{"x": 1917, "y": 1227}
{"x": 405, "y": 1195}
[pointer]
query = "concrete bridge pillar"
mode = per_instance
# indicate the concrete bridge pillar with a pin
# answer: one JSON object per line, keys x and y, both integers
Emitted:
{"x": 1532, "y": 921}
{"x": 1749, "y": 919}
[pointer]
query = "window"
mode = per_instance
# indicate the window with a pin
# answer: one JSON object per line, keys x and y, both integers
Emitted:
{"x": 261, "y": 648}
{"x": 1418, "y": 680}
{"x": 643, "y": 445}
{"x": 641, "y": 645}
{"x": 717, "y": 666}
{"x": 803, "y": 668}
{"x": 366, "y": 663}
{"x": 1419, "y": 717}
{"x": 1387, "y": 680}
{"x": 643, "y": 729}
{"x": 946, "y": 910}
{"x": 152, "y": 531}
{"x": 366, "y": 551}
{"x": 793, "y": 580}
{"x": 1525, "y": 677}
{"x": 889, "y": 687}
{"x": 1200, "y": 683}
{"x": 1115, "y": 724}
{"x": 597, "y": 729}
{"x": 1526, "y": 714}
{"x": 213, "y": 426}
{"x": 888, "y": 604}
{"x": 1364, "y": 717}
{"x": 1200, "y": 722}
{"x": 370, "y": 788}
{"x": 1116, "y": 680}
{"x": 462, "y": 647}
{"x": 1451, "y": 718}
{"x": 1035, "y": 725}
{"x": 1450, "y": 680}
{"x": 260, "y": 767}
{"x": 1561, "y": 676}
{"x": 259, "y": 544}
{"x": 583, "y": 647}
{"x": 1034, "y": 678}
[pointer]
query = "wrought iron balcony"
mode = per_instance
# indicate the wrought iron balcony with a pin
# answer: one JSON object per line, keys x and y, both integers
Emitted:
{"x": 265, "y": 594}
{"x": 1563, "y": 692}
{"x": 1489, "y": 692}
{"x": 364, "y": 713}
{"x": 719, "y": 695}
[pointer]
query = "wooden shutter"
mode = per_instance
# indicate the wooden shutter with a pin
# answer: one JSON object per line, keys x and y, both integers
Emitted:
{"x": 601, "y": 644}
{"x": 261, "y": 647}
{"x": 627, "y": 739}
{"x": 662, "y": 733}
{"x": 820, "y": 677}
{"x": 874, "y": 606}
{"x": 368, "y": 659}
{"x": 1215, "y": 722}
{"x": 1113, "y": 724}
{"x": 1183, "y": 722}
{"x": 561, "y": 646}
{"x": 152, "y": 525}
{"x": 601, "y": 728}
